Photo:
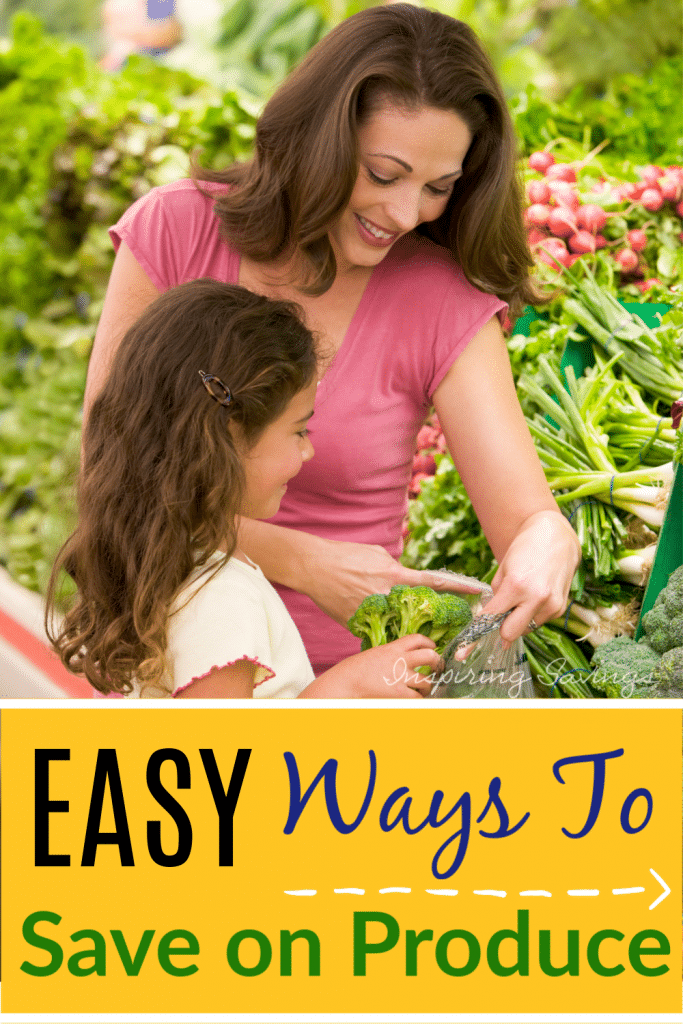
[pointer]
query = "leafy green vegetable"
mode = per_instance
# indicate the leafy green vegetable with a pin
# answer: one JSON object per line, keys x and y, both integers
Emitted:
{"x": 640, "y": 115}
{"x": 77, "y": 147}
{"x": 444, "y": 530}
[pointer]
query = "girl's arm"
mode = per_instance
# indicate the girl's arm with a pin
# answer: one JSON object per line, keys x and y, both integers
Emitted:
{"x": 129, "y": 292}
{"x": 236, "y": 681}
{"x": 536, "y": 548}
{"x": 382, "y": 672}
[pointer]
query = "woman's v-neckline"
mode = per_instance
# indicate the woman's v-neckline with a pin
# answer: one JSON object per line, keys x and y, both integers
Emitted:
{"x": 345, "y": 350}
{"x": 346, "y": 345}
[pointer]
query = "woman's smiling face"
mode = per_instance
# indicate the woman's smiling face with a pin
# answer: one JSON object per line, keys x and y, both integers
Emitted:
{"x": 409, "y": 162}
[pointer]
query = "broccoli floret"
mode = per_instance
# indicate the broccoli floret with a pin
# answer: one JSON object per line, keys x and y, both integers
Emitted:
{"x": 451, "y": 616}
{"x": 370, "y": 620}
{"x": 413, "y": 607}
{"x": 668, "y": 674}
{"x": 663, "y": 624}
{"x": 663, "y": 631}
{"x": 673, "y": 592}
{"x": 623, "y": 667}
{"x": 423, "y": 610}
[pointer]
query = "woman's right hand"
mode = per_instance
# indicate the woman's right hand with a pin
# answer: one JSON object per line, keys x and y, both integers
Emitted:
{"x": 388, "y": 671}
{"x": 340, "y": 574}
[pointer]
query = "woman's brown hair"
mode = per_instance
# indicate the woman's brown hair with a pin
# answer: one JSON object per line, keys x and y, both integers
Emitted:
{"x": 305, "y": 165}
{"x": 161, "y": 480}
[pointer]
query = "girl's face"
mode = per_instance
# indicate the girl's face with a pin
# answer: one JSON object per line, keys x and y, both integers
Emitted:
{"x": 277, "y": 456}
{"x": 409, "y": 162}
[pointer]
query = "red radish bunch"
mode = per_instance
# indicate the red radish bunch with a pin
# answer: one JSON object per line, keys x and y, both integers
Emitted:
{"x": 564, "y": 194}
{"x": 670, "y": 188}
{"x": 426, "y": 437}
{"x": 537, "y": 215}
{"x": 430, "y": 440}
{"x": 553, "y": 251}
{"x": 535, "y": 236}
{"x": 562, "y": 227}
{"x": 416, "y": 484}
{"x": 424, "y": 463}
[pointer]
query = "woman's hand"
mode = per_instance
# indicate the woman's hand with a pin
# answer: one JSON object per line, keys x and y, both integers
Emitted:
{"x": 336, "y": 574}
{"x": 389, "y": 671}
{"x": 534, "y": 576}
{"x": 343, "y": 574}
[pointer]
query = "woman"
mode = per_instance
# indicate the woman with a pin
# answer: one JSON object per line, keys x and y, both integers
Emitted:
{"x": 382, "y": 197}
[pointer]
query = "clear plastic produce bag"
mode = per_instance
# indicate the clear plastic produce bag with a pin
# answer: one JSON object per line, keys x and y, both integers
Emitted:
{"x": 488, "y": 672}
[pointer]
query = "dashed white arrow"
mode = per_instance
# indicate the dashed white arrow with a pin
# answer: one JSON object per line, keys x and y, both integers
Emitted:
{"x": 501, "y": 893}
{"x": 664, "y": 886}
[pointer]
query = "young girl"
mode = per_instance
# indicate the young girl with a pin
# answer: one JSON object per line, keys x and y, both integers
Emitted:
{"x": 203, "y": 417}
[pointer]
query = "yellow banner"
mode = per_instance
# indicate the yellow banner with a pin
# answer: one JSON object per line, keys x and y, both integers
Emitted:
{"x": 440, "y": 859}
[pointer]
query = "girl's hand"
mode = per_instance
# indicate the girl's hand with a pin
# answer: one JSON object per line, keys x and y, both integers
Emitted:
{"x": 389, "y": 671}
{"x": 344, "y": 573}
{"x": 534, "y": 575}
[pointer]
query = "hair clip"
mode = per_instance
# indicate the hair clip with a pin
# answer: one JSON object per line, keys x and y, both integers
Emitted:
{"x": 209, "y": 380}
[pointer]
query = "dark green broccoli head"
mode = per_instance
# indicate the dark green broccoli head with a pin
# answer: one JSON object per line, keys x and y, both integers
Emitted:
{"x": 663, "y": 630}
{"x": 622, "y": 667}
{"x": 668, "y": 674}
{"x": 673, "y": 593}
{"x": 370, "y": 621}
{"x": 663, "y": 624}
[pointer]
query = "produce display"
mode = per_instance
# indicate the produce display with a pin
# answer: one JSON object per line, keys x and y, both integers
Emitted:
{"x": 599, "y": 386}
{"x": 608, "y": 435}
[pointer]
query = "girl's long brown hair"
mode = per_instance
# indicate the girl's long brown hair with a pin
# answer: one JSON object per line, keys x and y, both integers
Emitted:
{"x": 306, "y": 160}
{"x": 161, "y": 480}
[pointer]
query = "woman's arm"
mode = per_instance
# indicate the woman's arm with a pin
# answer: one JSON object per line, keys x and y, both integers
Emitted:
{"x": 129, "y": 292}
{"x": 336, "y": 574}
{"x": 535, "y": 546}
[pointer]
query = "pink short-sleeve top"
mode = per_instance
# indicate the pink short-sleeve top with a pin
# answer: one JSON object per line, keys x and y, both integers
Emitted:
{"x": 417, "y": 314}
